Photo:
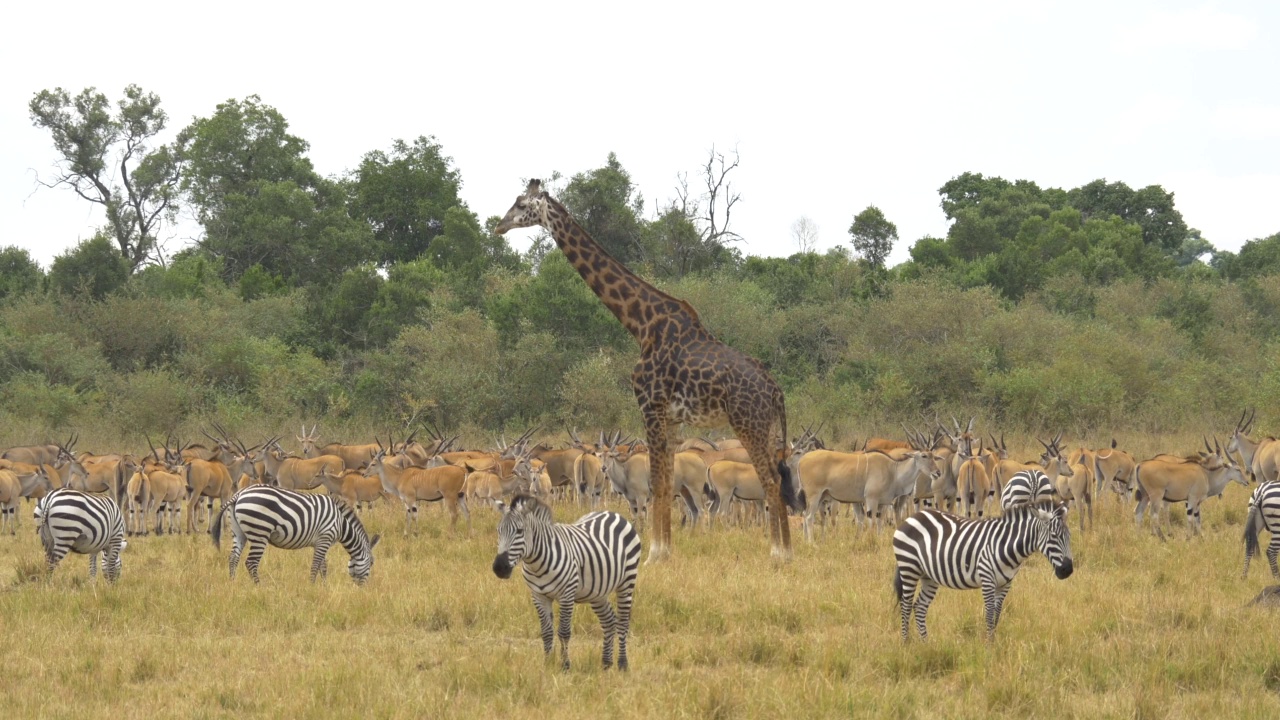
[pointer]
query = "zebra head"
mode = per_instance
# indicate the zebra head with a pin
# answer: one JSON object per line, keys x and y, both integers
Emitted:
{"x": 361, "y": 562}
{"x": 523, "y": 511}
{"x": 1053, "y": 538}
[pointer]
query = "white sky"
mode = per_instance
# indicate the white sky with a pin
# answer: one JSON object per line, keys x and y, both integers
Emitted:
{"x": 832, "y": 108}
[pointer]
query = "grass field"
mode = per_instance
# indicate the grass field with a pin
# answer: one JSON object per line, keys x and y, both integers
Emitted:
{"x": 1144, "y": 628}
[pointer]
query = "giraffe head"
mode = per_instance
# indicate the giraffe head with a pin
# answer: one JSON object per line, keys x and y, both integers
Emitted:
{"x": 530, "y": 209}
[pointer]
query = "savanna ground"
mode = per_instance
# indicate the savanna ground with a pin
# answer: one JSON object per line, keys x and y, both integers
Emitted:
{"x": 1144, "y": 628}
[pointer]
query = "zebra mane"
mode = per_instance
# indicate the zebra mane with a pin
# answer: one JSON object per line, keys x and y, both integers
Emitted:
{"x": 532, "y": 507}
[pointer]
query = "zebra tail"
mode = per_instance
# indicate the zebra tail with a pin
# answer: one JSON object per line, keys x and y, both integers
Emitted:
{"x": 1251, "y": 528}
{"x": 215, "y": 527}
{"x": 46, "y": 536}
{"x": 789, "y": 496}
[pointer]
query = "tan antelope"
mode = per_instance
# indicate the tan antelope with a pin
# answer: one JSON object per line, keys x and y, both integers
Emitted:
{"x": 1191, "y": 480}
{"x": 1113, "y": 468}
{"x": 14, "y": 487}
{"x": 358, "y": 490}
{"x": 51, "y": 454}
{"x": 1260, "y": 458}
{"x": 972, "y": 481}
{"x": 1077, "y": 488}
{"x": 203, "y": 479}
{"x": 414, "y": 484}
{"x": 353, "y": 457}
{"x": 871, "y": 481}
{"x": 165, "y": 493}
{"x": 295, "y": 473}
{"x": 729, "y": 480}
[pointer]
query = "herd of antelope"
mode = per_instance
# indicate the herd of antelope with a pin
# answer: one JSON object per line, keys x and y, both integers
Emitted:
{"x": 885, "y": 480}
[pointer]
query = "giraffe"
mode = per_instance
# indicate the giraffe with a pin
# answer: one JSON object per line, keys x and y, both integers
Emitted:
{"x": 684, "y": 375}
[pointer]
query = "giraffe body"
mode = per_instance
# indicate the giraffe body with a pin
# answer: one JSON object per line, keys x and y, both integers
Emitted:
{"x": 684, "y": 375}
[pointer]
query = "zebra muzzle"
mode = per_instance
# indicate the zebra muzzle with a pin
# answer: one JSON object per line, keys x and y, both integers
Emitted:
{"x": 1064, "y": 570}
{"x": 502, "y": 566}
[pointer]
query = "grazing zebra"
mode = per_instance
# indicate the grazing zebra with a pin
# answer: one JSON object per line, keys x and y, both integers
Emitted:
{"x": 580, "y": 563}
{"x": 262, "y": 514}
{"x": 73, "y": 521}
{"x": 935, "y": 549}
{"x": 1025, "y": 488}
{"x": 1264, "y": 512}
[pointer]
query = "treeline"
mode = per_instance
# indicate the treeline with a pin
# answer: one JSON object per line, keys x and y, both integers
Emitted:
{"x": 378, "y": 297}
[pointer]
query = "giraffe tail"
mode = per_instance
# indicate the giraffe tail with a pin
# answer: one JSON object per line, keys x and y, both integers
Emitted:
{"x": 789, "y": 497}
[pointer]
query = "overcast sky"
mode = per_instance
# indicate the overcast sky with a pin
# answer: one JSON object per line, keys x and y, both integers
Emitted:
{"x": 831, "y": 108}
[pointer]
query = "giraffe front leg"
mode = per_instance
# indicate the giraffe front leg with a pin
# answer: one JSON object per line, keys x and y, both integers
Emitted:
{"x": 660, "y": 470}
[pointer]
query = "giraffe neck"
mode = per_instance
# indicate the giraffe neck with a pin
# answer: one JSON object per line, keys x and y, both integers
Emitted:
{"x": 635, "y": 303}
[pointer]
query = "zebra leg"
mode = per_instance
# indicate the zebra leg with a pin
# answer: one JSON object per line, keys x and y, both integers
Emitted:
{"x": 1273, "y": 550}
{"x": 543, "y": 606}
{"x": 608, "y": 627}
{"x": 907, "y": 603}
{"x": 928, "y": 589}
{"x": 993, "y": 599}
{"x": 93, "y": 566}
{"x": 566, "y": 626}
{"x": 234, "y": 560}
{"x": 625, "y": 596}
{"x": 111, "y": 563}
{"x": 255, "y": 558}
{"x": 319, "y": 561}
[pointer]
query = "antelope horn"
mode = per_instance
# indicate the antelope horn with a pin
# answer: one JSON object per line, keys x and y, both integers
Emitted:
{"x": 1217, "y": 447}
{"x": 971, "y": 421}
{"x": 154, "y": 454}
{"x": 1045, "y": 444}
{"x": 955, "y": 422}
{"x": 313, "y": 430}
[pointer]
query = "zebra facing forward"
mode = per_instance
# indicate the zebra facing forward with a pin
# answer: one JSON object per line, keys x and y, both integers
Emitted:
{"x": 936, "y": 549}
{"x": 73, "y": 521}
{"x": 262, "y": 514}
{"x": 580, "y": 563}
{"x": 1264, "y": 513}
{"x": 1025, "y": 488}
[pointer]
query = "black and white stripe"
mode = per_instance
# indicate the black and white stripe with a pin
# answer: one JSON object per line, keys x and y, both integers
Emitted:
{"x": 1025, "y": 488}
{"x": 580, "y": 563}
{"x": 1264, "y": 513}
{"x": 262, "y": 514}
{"x": 73, "y": 521}
{"x": 936, "y": 549}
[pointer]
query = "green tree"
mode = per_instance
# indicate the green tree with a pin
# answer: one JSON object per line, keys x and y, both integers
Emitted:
{"x": 873, "y": 236}
{"x": 404, "y": 195}
{"x": 1255, "y": 259}
{"x": 609, "y": 208}
{"x": 1151, "y": 208}
{"x": 18, "y": 272}
{"x": 98, "y": 147}
{"x": 261, "y": 202}
{"x": 94, "y": 268}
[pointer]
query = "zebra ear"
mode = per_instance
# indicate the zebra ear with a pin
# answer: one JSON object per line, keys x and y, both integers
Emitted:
{"x": 502, "y": 507}
{"x": 373, "y": 541}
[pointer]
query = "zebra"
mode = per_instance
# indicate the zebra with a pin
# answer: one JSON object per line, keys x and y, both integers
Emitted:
{"x": 1024, "y": 488}
{"x": 262, "y": 514}
{"x": 580, "y": 563}
{"x": 935, "y": 549}
{"x": 72, "y": 521}
{"x": 1264, "y": 513}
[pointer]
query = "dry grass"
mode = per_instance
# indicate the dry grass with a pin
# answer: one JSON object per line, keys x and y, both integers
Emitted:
{"x": 1143, "y": 629}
